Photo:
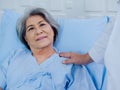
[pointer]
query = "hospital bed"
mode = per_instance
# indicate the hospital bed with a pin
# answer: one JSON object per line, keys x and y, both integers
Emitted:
{"x": 75, "y": 35}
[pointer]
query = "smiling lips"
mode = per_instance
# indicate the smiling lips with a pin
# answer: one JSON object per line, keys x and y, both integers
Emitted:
{"x": 41, "y": 38}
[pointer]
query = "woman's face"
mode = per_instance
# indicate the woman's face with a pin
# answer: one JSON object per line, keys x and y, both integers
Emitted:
{"x": 39, "y": 33}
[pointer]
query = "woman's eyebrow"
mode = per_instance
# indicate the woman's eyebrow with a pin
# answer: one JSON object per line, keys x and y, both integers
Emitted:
{"x": 40, "y": 21}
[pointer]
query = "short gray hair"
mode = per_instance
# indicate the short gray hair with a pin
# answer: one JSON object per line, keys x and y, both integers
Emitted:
{"x": 21, "y": 25}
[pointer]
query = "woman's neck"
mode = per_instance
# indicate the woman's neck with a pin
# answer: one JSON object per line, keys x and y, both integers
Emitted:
{"x": 43, "y": 54}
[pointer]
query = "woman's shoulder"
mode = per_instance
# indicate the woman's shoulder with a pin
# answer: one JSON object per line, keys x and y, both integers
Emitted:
{"x": 21, "y": 50}
{"x": 15, "y": 53}
{"x": 57, "y": 58}
{"x": 57, "y": 61}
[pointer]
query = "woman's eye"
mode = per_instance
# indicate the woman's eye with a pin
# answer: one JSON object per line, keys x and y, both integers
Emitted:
{"x": 42, "y": 24}
{"x": 30, "y": 29}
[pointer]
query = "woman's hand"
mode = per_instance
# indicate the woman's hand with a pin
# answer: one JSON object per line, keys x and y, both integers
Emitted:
{"x": 76, "y": 58}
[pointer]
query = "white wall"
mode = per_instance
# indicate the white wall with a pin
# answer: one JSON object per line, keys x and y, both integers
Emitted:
{"x": 65, "y": 8}
{"x": 62, "y": 8}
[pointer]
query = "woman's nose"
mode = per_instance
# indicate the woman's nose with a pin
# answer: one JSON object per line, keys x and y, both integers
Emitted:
{"x": 39, "y": 31}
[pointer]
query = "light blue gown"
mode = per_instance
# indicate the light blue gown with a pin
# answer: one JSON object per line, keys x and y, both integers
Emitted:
{"x": 21, "y": 72}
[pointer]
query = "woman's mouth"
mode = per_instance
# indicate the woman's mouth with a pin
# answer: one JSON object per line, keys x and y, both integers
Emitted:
{"x": 41, "y": 38}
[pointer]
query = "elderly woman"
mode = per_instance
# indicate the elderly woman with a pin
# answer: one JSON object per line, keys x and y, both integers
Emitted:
{"x": 38, "y": 66}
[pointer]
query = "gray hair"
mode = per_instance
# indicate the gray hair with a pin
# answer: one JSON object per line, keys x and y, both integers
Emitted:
{"x": 21, "y": 25}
